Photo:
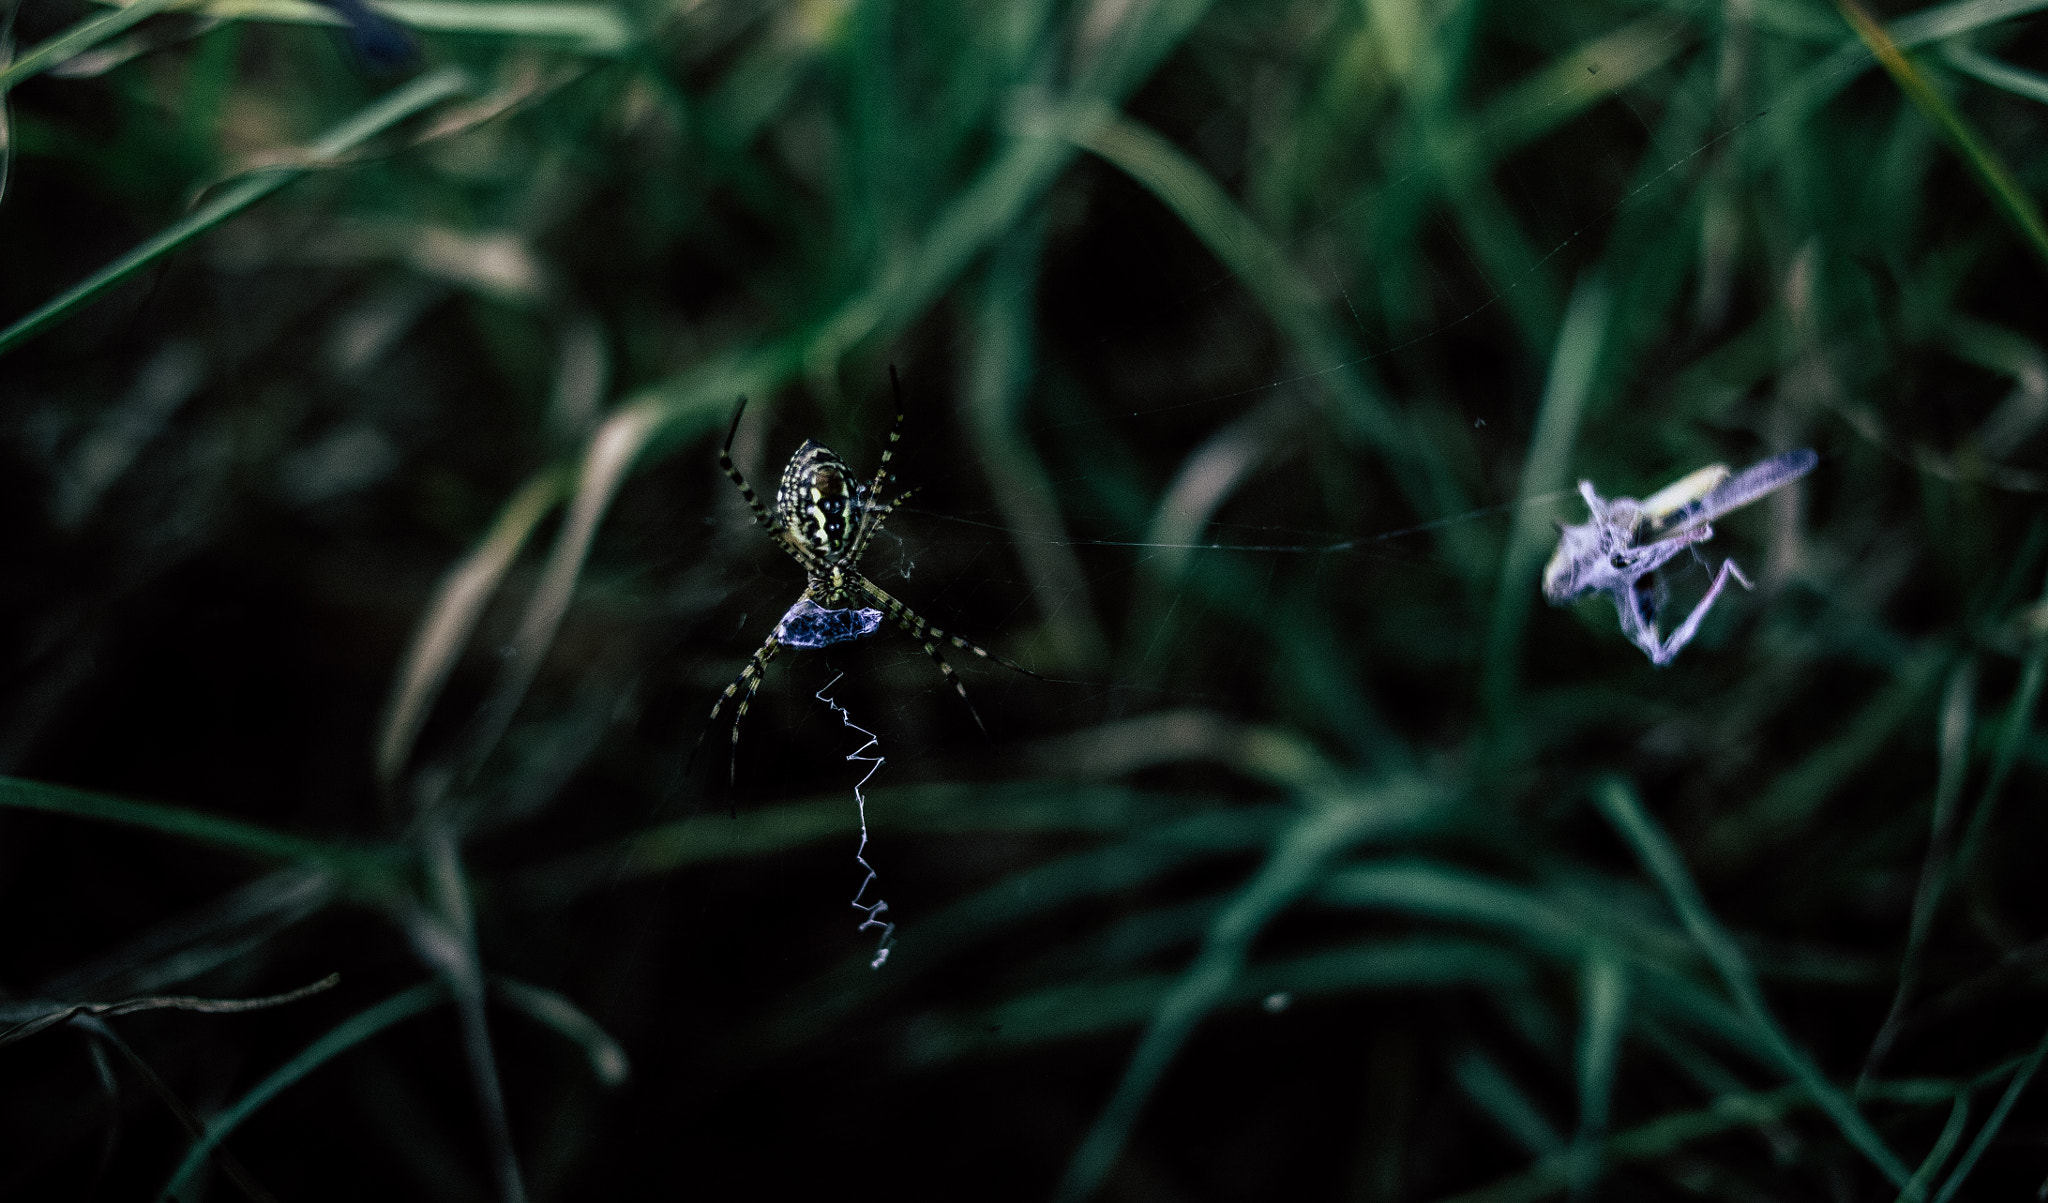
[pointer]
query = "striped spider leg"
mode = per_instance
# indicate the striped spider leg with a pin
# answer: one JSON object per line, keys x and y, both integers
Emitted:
{"x": 1626, "y": 541}
{"x": 824, "y": 517}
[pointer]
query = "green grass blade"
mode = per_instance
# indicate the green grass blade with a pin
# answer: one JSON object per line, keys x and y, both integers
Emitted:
{"x": 1661, "y": 858}
{"x": 1577, "y": 81}
{"x": 597, "y": 29}
{"x": 1457, "y": 896}
{"x": 451, "y": 617}
{"x": 1545, "y": 471}
{"x": 1930, "y": 1165}
{"x": 2018, "y": 726}
{"x": 1670, "y": 1134}
{"x": 2013, "y": 1090}
{"x": 446, "y": 939}
{"x": 1990, "y": 169}
{"x": 260, "y": 842}
{"x": 1489, "y": 1086}
{"x": 594, "y": 29}
{"x": 1798, "y": 794}
{"x": 1155, "y": 851}
{"x": 349, "y": 1033}
{"x": 1249, "y": 254}
{"x": 77, "y": 39}
{"x": 1943, "y": 21}
{"x": 1299, "y": 859}
{"x": 998, "y": 385}
{"x": 1957, "y": 717}
{"x": 1603, "y": 1008}
{"x": 944, "y": 808}
{"x": 1084, "y": 1009}
{"x": 607, "y": 1057}
{"x": 1985, "y": 69}
{"x": 422, "y": 93}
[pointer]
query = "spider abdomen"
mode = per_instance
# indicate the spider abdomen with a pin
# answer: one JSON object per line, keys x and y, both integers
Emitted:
{"x": 820, "y": 502}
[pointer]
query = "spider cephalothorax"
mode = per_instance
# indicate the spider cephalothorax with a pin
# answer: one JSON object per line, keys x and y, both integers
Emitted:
{"x": 824, "y": 517}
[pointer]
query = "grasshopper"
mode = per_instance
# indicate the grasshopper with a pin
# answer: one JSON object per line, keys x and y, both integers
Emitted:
{"x": 1628, "y": 540}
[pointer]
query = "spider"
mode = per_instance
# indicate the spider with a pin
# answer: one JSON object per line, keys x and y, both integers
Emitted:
{"x": 824, "y": 517}
{"x": 1628, "y": 540}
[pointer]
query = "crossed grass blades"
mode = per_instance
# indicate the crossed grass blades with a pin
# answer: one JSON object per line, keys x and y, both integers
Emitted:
{"x": 288, "y": 337}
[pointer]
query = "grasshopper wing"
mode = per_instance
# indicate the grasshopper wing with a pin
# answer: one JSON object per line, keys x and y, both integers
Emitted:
{"x": 1727, "y": 492}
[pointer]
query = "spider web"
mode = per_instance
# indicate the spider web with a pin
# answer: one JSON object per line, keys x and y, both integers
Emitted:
{"x": 981, "y": 545}
{"x": 982, "y": 552}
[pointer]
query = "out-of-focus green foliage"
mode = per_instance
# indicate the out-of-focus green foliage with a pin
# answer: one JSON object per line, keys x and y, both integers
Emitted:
{"x": 363, "y": 385}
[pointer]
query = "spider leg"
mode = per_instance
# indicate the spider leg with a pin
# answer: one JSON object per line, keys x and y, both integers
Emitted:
{"x": 761, "y": 514}
{"x": 895, "y": 436}
{"x": 876, "y": 511}
{"x": 920, "y": 629}
{"x": 871, "y": 523}
{"x": 750, "y": 679}
{"x": 932, "y": 649}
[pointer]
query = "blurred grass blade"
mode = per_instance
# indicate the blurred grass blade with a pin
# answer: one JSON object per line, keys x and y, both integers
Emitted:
{"x": 607, "y": 1058}
{"x": 451, "y": 617}
{"x": 1798, "y": 793}
{"x": 1951, "y": 1132}
{"x": 1258, "y": 262}
{"x": 610, "y": 454}
{"x": 1990, "y": 169}
{"x": 594, "y": 28}
{"x": 349, "y": 1033}
{"x": 1082, "y": 1009}
{"x": 1660, "y": 857}
{"x": 193, "y": 825}
{"x": 1985, "y": 69}
{"x": 946, "y": 808}
{"x": 407, "y": 101}
{"x": 1942, "y": 21}
{"x": 1603, "y": 1007}
{"x": 1545, "y": 471}
{"x": 184, "y": 946}
{"x": 1957, "y": 720}
{"x": 1456, "y": 896}
{"x": 2019, "y": 724}
{"x": 1489, "y": 1086}
{"x": 231, "y": 1168}
{"x": 1577, "y": 81}
{"x": 79, "y": 38}
{"x": 2013, "y": 1090}
{"x": 446, "y": 939}
{"x": 1134, "y": 38}
{"x": 1154, "y": 850}
{"x": 997, "y": 382}
{"x": 6, "y": 106}
{"x": 1671, "y": 1133}
{"x": 1300, "y": 857}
